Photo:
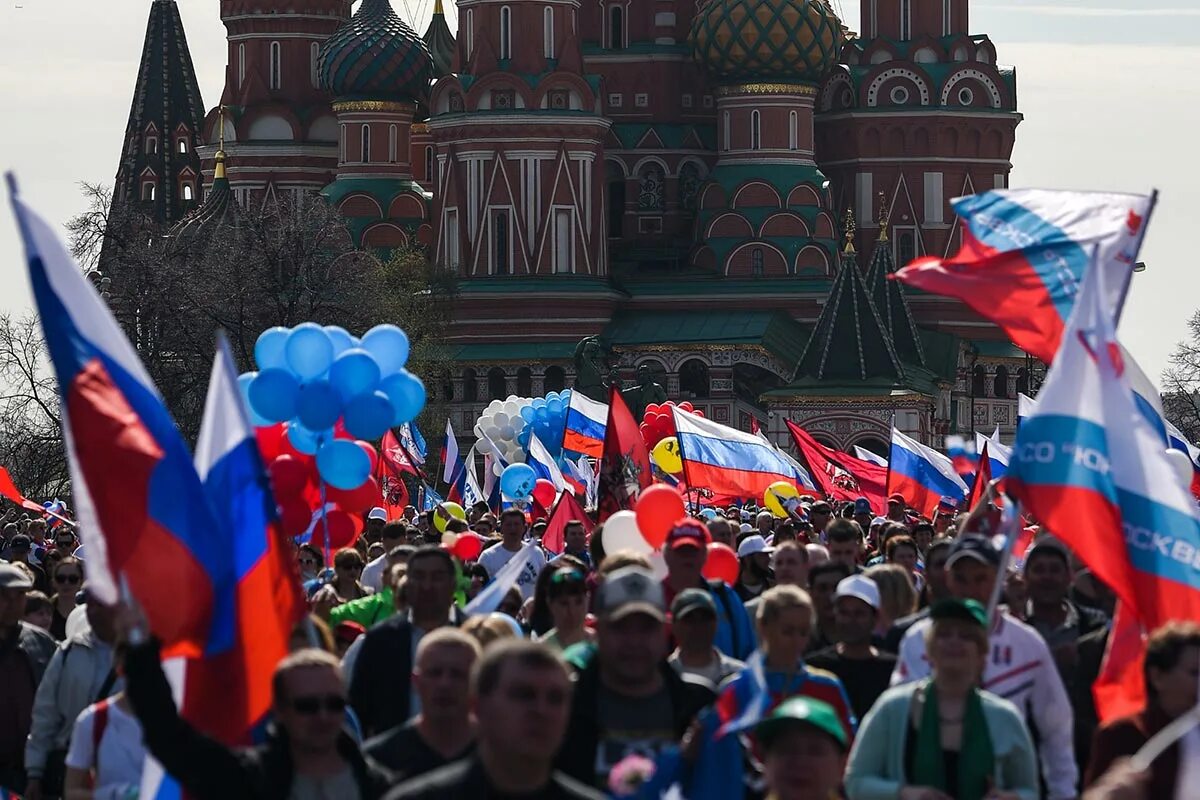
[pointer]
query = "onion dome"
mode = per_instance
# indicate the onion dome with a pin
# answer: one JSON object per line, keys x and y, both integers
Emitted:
{"x": 756, "y": 40}
{"x": 440, "y": 42}
{"x": 219, "y": 210}
{"x": 376, "y": 56}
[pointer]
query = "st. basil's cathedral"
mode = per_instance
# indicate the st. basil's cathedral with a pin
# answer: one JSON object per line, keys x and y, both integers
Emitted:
{"x": 716, "y": 189}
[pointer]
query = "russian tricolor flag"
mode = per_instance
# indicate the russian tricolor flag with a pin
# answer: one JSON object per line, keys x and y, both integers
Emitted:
{"x": 923, "y": 475}
{"x": 964, "y": 457}
{"x": 586, "y": 421}
{"x": 142, "y": 511}
{"x": 999, "y": 455}
{"x": 544, "y": 464}
{"x": 728, "y": 461}
{"x": 1025, "y": 251}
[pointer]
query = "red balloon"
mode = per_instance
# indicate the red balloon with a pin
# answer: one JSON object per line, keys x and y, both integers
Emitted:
{"x": 699, "y": 413}
{"x": 339, "y": 430}
{"x": 369, "y": 449}
{"x": 340, "y": 527}
{"x": 288, "y": 476}
{"x": 543, "y": 492}
{"x": 722, "y": 563}
{"x": 270, "y": 440}
{"x": 467, "y": 547}
{"x": 657, "y": 509}
{"x": 686, "y": 406}
{"x": 359, "y": 499}
{"x": 654, "y": 408}
{"x": 294, "y": 516}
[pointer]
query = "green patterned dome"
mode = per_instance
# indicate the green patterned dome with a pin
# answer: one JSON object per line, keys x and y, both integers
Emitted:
{"x": 376, "y": 56}
{"x": 754, "y": 40}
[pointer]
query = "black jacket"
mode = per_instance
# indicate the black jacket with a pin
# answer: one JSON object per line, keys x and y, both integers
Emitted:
{"x": 207, "y": 768}
{"x": 381, "y": 685}
{"x": 466, "y": 780}
{"x": 577, "y": 756}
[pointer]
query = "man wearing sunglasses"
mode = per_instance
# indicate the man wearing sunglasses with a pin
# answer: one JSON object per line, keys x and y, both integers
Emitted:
{"x": 307, "y": 754}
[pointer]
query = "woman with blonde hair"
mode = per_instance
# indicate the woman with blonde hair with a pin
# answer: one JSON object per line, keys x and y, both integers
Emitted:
{"x": 897, "y": 595}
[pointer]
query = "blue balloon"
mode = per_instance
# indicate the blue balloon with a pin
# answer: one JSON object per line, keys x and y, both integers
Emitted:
{"x": 389, "y": 345}
{"x": 343, "y": 464}
{"x": 565, "y": 396}
{"x": 541, "y": 415}
{"x": 527, "y": 413}
{"x": 341, "y": 338}
{"x": 309, "y": 351}
{"x": 273, "y": 394}
{"x": 407, "y": 394}
{"x": 538, "y": 402}
{"x": 551, "y": 396}
{"x": 302, "y": 438}
{"x": 517, "y": 481}
{"x": 269, "y": 348}
{"x": 319, "y": 405}
{"x": 554, "y": 407}
{"x": 244, "y": 381}
{"x": 523, "y": 438}
{"x": 368, "y": 416}
{"x": 354, "y": 372}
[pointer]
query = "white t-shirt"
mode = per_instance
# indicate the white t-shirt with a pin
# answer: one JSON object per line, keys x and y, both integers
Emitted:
{"x": 372, "y": 574}
{"x": 494, "y": 558}
{"x": 119, "y": 763}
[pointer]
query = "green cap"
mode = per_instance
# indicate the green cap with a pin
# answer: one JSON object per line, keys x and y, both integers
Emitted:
{"x": 803, "y": 711}
{"x": 965, "y": 610}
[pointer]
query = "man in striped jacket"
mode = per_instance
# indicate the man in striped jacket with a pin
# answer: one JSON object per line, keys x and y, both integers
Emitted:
{"x": 1019, "y": 667}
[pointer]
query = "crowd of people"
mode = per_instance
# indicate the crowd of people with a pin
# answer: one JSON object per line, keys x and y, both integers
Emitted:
{"x": 854, "y": 656}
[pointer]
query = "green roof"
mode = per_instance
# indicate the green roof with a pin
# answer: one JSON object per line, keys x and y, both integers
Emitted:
{"x": 997, "y": 348}
{"x": 775, "y": 331}
{"x": 528, "y": 352}
{"x": 941, "y": 353}
{"x": 889, "y": 299}
{"x": 671, "y": 135}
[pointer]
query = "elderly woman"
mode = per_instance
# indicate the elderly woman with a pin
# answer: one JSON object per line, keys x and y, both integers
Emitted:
{"x": 1171, "y": 668}
{"x": 944, "y": 737}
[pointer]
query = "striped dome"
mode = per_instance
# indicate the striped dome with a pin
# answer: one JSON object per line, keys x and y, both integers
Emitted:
{"x": 751, "y": 40}
{"x": 376, "y": 56}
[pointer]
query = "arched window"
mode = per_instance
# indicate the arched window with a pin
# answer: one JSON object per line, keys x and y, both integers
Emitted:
{"x": 555, "y": 379}
{"x": 497, "y": 384}
{"x": 616, "y": 27}
{"x": 548, "y": 32}
{"x": 188, "y": 192}
{"x": 148, "y": 190}
{"x": 1000, "y": 384}
{"x": 650, "y": 189}
{"x": 689, "y": 186}
{"x": 276, "y": 66}
{"x": 314, "y": 60}
{"x": 755, "y": 131}
{"x": 725, "y": 126}
{"x": 793, "y": 132}
{"x": 447, "y": 387}
{"x": 946, "y": 17}
{"x": 241, "y": 65}
{"x": 470, "y": 31}
{"x": 616, "y": 199}
{"x": 505, "y": 33}
{"x": 979, "y": 381}
{"x": 1023, "y": 381}
{"x": 182, "y": 145}
{"x": 344, "y": 146}
{"x": 393, "y": 137}
{"x": 693, "y": 379}
{"x": 524, "y": 382}
{"x": 905, "y": 20}
{"x": 470, "y": 386}
{"x": 756, "y": 262}
{"x": 152, "y": 145}
{"x": 366, "y": 144}
{"x": 429, "y": 163}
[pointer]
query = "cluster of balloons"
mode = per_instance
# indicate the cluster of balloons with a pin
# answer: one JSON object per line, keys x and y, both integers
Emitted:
{"x": 319, "y": 398}
{"x": 658, "y": 422}
{"x": 510, "y": 423}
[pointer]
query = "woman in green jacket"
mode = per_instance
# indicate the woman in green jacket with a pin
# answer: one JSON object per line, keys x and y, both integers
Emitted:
{"x": 945, "y": 738}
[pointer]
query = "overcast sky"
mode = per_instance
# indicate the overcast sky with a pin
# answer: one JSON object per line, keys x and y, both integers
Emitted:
{"x": 1110, "y": 91}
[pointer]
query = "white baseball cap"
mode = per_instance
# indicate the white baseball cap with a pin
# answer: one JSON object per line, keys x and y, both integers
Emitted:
{"x": 860, "y": 587}
{"x": 377, "y": 513}
{"x": 753, "y": 544}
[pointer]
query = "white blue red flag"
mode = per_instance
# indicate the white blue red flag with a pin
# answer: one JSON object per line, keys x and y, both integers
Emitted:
{"x": 414, "y": 443}
{"x": 964, "y": 456}
{"x": 586, "y": 421}
{"x": 727, "y": 461}
{"x": 1025, "y": 251}
{"x": 451, "y": 462}
{"x": 472, "y": 492}
{"x": 806, "y": 479}
{"x": 1180, "y": 442}
{"x": 543, "y": 463}
{"x": 1092, "y": 468}
{"x": 923, "y": 475}
{"x": 999, "y": 455}
{"x": 864, "y": 454}
{"x": 1025, "y": 406}
{"x": 142, "y": 511}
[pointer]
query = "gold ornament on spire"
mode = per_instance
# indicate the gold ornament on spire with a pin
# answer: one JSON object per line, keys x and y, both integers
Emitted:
{"x": 219, "y": 169}
{"x": 437, "y": 7}
{"x": 848, "y": 249}
{"x": 885, "y": 214}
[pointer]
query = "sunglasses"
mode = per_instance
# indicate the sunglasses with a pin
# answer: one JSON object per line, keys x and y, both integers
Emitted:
{"x": 567, "y": 576}
{"x": 71, "y": 579}
{"x": 310, "y": 706}
{"x": 308, "y": 562}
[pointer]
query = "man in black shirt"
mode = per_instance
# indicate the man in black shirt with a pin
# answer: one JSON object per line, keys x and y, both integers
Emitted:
{"x": 443, "y": 731}
{"x": 521, "y": 697}
{"x": 864, "y": 670}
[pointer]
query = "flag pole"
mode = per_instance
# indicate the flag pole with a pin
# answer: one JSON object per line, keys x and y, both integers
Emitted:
{"x": 1010, "y": 524}
{"x": 1137, "y": 249}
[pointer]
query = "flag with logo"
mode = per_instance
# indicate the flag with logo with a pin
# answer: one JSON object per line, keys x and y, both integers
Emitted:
{"x": 625, "y": 466}
{"x": 840, "y": 475}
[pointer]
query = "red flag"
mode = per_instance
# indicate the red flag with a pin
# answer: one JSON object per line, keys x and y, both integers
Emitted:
{"x": 565, "y": 510}
{"x": 1120, "y": 688}
{"x": 625, "y": 463}
{"x": 393, "y": 463}
{"x": 840, "y": 475}
{"x": 983, "y": 476}
{"x": 9, "y": 490}
{"x": 397, "y": 458}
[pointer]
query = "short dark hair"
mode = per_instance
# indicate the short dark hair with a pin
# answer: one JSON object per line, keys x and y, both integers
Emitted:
{"x": 939, "y": 543}
{"x": 308, "y": 548}
{"x": 485, "y": 675}
{"x": 394, "y": 530}
{"x": 824, "y": 567}
{"x": 432, "y": 551}
{"x": 513, "y": 512}
{"x": 402, "y": 550}
{"x": 1165, "y": 647}
{"x": 35, "y": 601}
{"x": 898, "y": 541}
{"x": 574, "y": 523}
{"x": 924, "y": 526}
{"x": 844, "y": 530}
{"x": 454, "y": 525}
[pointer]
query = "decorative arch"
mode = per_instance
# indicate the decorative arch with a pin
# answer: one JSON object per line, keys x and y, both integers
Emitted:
{"x": 756, "y": 259}
{"x": 612, "y": 161}
{"x": 1000, "y": 382}
{"x": 783, "y": 224}
{"x": 836, "y": 89}
{"x": 694, "y": 382}
{"x": 756, "y": 194}
{"x": 554, "y": 379}
{"x": 360, "y": 205}
{"x": 524, "y": 382}
{"x": 825, "y": 228}
{"x": 470, "y": 382}
{"x": 564, "y": 80}
{"x": 813, "y": 257}
{"x": 692, "y": 172}
{"x": 804, "y": 195}
{"x": 918, "y": 81}
{"x": 713, "y": 196}
{"x": 972, "y": 73}
{"x": 658, "y": 370}
{"x": 271, "y": 127}
{"x": 408, "y": 205}
{"x": 731, "y": 225}
{"x": 704, "y": 258}
{"x": 498, "y": 80}
{"x": 497, "y": 384}
{"x": 384, "y": 235}
{"x": 642, "y": 162}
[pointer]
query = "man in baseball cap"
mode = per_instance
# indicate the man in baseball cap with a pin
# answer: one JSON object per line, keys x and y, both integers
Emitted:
{"x": 863, "y": 513}
{"x": 694, "y": 626}
{"x": 895, "y": 507}
{"x": 804, "y": 747}
{"x": 864, "y": 669}
{"x": 32, "y": 652}
{"x": 754, "y": 572}
{"x": 686, "y": 552}
{"x": 376, "y": 519}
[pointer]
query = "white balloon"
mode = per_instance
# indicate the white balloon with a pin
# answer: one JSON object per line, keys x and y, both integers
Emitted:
{"x": 512, "y": 408}
{"x": 507, "y": 432}
{"x": 658, "y": 565}
{"x": 492, "y": 432}
{"x": 497, "y": 468}
{"x": 621, "y": 533}
{"x": 483, "y": 446}
{"x": 1182, "y": 466}
{"x": 508, "y": 399}
{"x": 495, "y": 406}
